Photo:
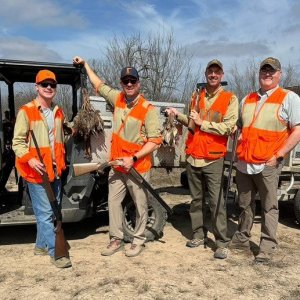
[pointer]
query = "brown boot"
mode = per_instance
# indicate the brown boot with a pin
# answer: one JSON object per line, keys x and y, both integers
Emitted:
{"x": 114, "y": 246}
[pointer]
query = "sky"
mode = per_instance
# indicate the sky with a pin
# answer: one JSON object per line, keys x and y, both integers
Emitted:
{"x": 233, "y": 31}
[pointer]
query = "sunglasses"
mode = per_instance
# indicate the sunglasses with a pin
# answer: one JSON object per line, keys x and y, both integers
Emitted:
{"x": 127, "y": 80}
{"x": 46, "y": 84}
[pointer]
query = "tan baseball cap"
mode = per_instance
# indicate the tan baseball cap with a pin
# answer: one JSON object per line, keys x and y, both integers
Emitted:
{"x": 214, "y": 62}
{"x": 271, "y": 61}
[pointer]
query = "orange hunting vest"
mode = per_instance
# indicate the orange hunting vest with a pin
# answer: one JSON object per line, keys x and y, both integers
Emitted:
{"x": 206, "y": 145}
{"x": 126, "y": 136}
{"x": 40, "y": 129}
{"x": 263, "y": 133}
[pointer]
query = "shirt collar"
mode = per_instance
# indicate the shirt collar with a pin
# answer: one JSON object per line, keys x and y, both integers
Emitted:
{"x": 268, "y": 93}
{"x": 218, "y": 90}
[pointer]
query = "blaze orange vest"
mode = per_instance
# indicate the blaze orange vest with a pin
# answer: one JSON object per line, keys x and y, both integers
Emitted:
{"x": 263, "y": 133}
{"x": 206, "y": 145}
{"x": 126, "y": 136}
{"x": 40, "y": 129}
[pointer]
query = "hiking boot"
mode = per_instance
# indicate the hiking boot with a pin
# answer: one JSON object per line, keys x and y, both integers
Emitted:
{"x": 134, "y": 250}
{"x": 195, "y": 243}
{"x": 62, "y": 262}
{"x": 114, "y": 246}
{"x": 236, "y": 244}
{"x": 40, "y": 251}
{"x": 221, "y": 253}
{"x": 263, "y": 257}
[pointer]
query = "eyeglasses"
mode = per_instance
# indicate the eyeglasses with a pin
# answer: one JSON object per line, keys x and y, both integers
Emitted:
{"x": 127, "y": 80}
{"x": 46, "y": 84}
{"x": 211, "y": 71}
{"x": 268, "y": 70}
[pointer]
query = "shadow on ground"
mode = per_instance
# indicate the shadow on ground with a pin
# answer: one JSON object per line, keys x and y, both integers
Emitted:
{"x": 27, "y": 233}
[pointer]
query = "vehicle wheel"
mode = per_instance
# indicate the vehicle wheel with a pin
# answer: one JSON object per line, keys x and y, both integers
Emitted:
{"x": 297, "y": 206}
{"x": 184, "y": 180}
{"x": 157, "y": 217}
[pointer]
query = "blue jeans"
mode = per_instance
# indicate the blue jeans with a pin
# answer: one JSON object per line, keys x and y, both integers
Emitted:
{"x": 45, "y": 237}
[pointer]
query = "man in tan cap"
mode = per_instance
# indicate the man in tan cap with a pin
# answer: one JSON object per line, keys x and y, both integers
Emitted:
{"x": 46, "y": 122}
{"x": 214, "y": 113}
{"x": 270, "y": 129}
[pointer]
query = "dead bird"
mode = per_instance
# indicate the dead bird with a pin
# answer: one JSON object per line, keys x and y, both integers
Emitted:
{"x": 87, "y": 122}
{"x": 170, "y": 131}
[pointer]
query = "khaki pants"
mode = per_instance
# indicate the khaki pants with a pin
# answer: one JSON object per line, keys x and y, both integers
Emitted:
{"x": 119, "y": 185}
{"x": 210, "y": 176}
{"x": 265, "y": 183}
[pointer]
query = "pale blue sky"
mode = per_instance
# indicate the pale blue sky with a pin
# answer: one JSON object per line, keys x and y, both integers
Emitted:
{"x": 232, "y": 31}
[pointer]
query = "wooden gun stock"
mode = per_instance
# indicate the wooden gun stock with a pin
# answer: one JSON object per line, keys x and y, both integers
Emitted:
{"x": 85, "y": 168}
{"x": 61, "y": 245}
{"x": 191, "y": 124}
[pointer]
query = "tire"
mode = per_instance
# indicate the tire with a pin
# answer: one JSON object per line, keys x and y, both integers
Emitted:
{"x": 184, "y": 180}
{"x": 297, "y": 206}
{"x": 157, "y": 217}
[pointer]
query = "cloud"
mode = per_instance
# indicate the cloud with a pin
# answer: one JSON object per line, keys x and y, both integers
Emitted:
{"x": 24, "y": 49}
{"x": 205, "y": 48}
{"x": 36, "y": 13}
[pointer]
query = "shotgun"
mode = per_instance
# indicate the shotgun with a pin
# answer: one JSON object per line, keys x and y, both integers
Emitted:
{"x": 199, "y": 86}
{"x": 233, "y": 153}
{"x": 191, "y": 123}
{"x": 84, "y": 168}
{"x": 61, "y": 245}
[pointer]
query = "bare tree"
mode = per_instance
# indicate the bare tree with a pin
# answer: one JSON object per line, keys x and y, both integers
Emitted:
{"x": 165, "y": 69}
{"x": 243, "y": 81}
{"x": 64, "y": 99}
{"x": 289, "y": 77}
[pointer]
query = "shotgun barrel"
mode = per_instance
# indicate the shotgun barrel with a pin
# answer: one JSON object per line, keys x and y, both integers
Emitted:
{"x": 233, "y": 155}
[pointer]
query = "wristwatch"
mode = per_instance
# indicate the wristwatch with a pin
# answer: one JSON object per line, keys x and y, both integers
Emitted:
{"x": 279, "y": 158}
{"x": 134, "y": 158}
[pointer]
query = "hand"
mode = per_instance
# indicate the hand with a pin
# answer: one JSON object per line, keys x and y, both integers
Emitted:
{"x": 77, "y": 60}
{"x": 170, "y": 110}
{"x": 196, "y": 117}
{"x": 127, "y": 163}
{"x": 37, "y": 166}
{"x": 272, "y": 161}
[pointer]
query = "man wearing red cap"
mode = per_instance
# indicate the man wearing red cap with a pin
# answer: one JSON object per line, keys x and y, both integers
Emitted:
{"x": 46, "y": 121}
{"x": 136, "y": 134}
{"x": 270, "y": 129}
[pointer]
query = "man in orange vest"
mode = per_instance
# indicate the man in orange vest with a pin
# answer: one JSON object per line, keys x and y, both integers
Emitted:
{"x": 136, "y": 134}
{"x": 270, "y": 129}
{"x": 215, "y": 116}
{"x": 46, "y": 121}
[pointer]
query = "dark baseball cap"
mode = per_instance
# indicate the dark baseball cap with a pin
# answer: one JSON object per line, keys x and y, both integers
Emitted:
{"x": 271, "y": 61}
{"x": 129, "y": 71}
{"x": 215, "y": 62}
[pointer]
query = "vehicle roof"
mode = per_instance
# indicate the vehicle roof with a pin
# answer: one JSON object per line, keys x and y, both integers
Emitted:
{"x": 25, "y": 71}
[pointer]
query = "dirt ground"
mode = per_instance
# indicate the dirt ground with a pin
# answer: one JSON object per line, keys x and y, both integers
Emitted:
{"x": 167, "y": 269}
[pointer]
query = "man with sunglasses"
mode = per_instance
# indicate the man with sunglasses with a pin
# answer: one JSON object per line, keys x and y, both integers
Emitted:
{"x": 270, "y": 129}
{"x": 45, "y": 119}
{"x": 136, "y": 134}
{"x": 214, "y": 112}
